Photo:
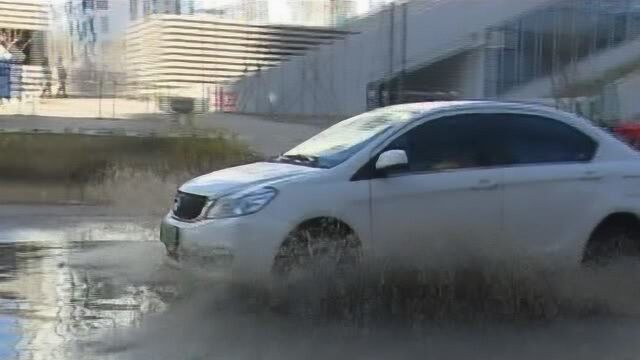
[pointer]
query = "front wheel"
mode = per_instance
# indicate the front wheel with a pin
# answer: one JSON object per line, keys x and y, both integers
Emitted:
{"x": 323, "y": 245}
{"x": 613, "y": 243}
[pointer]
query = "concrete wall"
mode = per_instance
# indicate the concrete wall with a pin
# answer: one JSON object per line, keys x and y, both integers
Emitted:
{"x": 24, "y": 14}
{"x": 473, "y": 87}
{"x": 462, "y": 73}
{"x": 185, "y": 55}
{"x": 333, "y": 79}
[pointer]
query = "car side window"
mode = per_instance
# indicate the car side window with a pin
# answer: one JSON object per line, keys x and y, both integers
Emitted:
{"x": 531, "y": 139}
{"x": 453, "y": 142}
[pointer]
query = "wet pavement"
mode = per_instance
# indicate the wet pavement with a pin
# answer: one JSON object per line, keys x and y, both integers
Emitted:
{"x": 52, "y": 290}
{"x": 83, "y": 282}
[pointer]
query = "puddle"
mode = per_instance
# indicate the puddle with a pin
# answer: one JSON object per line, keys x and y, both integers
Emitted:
{"x": 50, "y": 301}
{"x": 86, "y": 283}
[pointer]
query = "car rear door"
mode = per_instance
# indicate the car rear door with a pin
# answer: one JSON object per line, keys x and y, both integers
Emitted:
{"x": 448, "y": 201}
{"x": 550, "y": 184}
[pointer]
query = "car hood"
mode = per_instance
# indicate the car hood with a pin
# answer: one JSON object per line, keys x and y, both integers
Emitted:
{"x": 223, "y": 182}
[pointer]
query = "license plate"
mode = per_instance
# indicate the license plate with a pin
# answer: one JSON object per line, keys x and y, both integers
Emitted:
{"x": 170, "y": 236}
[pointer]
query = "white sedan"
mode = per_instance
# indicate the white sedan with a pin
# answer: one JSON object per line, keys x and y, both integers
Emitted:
{"x": 418, "y": 183}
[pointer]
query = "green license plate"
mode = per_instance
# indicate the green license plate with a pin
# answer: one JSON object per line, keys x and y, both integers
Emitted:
{"x": 170, "y": 236}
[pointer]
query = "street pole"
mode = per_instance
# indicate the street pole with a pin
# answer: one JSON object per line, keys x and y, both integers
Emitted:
{"x": 115, "y": 93}
{"x": 403, "y": 72}
{"x": 392, "y": 26}
{"x": 100, "y": 98}
{"x": 389, "y": 81}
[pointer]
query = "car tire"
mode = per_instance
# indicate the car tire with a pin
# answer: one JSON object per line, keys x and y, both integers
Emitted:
{"x": 611, "y": 243}
{"x": 317, "y": 247}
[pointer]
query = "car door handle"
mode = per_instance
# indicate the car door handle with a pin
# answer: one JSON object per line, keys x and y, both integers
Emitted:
{"x": 485, "y": 184}
{"x": 591, "y": 175}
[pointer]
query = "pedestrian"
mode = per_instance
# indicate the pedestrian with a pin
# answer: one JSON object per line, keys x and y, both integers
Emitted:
{"x": 4, "y": 40}
{"x": 5, "y": 68}
{"x": 5, "y": 54}
{"x": 46, "y": 71}
{"x": 62, "y": 79}
{"x": 17, "y": 62}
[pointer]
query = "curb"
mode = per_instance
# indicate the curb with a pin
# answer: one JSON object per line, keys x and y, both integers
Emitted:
{"x": 115, "y": 132}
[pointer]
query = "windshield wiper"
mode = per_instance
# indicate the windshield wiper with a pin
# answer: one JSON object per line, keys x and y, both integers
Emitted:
{"x": 301, "y": 159}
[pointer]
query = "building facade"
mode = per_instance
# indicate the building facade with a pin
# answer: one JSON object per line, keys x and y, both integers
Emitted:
{"x": 193, "y": 56}
{"x": 87, "y": 37}
{"x": 573, "y": 51}
{"x": 141, "y": 8}
{"x": 287, "y": 12}
{"x": 569, "y": 52}
{"x": 24, "y": 26}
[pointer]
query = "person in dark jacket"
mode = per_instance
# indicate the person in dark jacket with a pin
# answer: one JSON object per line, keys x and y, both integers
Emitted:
{"x": 62, "y": 79}
{"x": 46, "y": 71}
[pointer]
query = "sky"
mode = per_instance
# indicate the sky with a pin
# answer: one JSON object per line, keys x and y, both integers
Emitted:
{"x": 279, "y": 11}
{"x": 362, "y": 5}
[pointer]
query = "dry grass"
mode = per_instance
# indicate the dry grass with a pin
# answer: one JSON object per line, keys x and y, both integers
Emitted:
{"x": 85, "y": 168}
{"x": 82, "y": 158}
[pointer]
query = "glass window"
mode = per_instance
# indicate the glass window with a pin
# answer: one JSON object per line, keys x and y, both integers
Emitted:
{"x": 102, "y": 4}
{"x": 544, "y": 41}
{"x": 456, "y": 142}
{"x": 104, "y": 24}
{"x": 133, "y": 9}
{"x": 146, "y": 7}
{"x": 339, "y": 142}
{"x": 87, "y": 5}
{"x": 532, "y": 139}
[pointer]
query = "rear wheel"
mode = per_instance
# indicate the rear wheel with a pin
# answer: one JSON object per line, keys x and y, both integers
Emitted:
{"x": 613, "y": 242}
{"x": 319, "y": 245}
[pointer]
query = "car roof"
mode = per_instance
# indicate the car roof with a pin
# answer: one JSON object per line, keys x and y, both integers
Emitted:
{"x": 424, "y": 108}
{"x": 614, "y": 146}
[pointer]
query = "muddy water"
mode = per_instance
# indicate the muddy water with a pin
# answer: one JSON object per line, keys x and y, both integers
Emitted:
{"x": 87, "y": 281}
{"x": 82, "y": 282}
{"x": 47, "y": 302}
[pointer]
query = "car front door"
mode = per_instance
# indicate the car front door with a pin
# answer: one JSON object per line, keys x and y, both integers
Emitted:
{"x": 549, "y": 185}
{"x": 448, "y": 200}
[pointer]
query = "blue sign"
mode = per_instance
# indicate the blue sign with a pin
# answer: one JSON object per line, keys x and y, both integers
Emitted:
{"x": 5, "y": 79}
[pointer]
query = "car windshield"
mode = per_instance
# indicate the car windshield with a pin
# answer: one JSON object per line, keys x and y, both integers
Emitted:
{"x": 339, "y": 142}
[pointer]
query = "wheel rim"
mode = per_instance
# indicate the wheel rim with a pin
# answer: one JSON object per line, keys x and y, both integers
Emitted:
{"x": 306, "y": 251}
{"x": 617, "y": 246}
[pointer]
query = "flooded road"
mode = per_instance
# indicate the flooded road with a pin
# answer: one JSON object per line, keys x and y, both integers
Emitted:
{"x": 52, "y": 293}
{"x": 85, "y": 282}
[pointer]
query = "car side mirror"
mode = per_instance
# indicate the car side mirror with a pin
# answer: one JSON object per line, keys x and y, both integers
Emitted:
{"x": 392, "y": 160}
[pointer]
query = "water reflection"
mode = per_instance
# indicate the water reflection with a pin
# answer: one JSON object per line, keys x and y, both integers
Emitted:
{"x": 50, "y": 300}
{"x": 97, "y": 231}
{"x": 64, "y": 278}
{"x": 91, "y": 299}
{"x": 46, "y": 223}
{"x": 8, "y": 336}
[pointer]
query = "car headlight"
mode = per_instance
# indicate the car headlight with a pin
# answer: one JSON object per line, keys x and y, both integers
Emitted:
{"x": 241, "y": 203}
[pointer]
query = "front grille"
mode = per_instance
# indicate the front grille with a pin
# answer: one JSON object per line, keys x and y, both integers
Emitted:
{"x": 188, "y": 206}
